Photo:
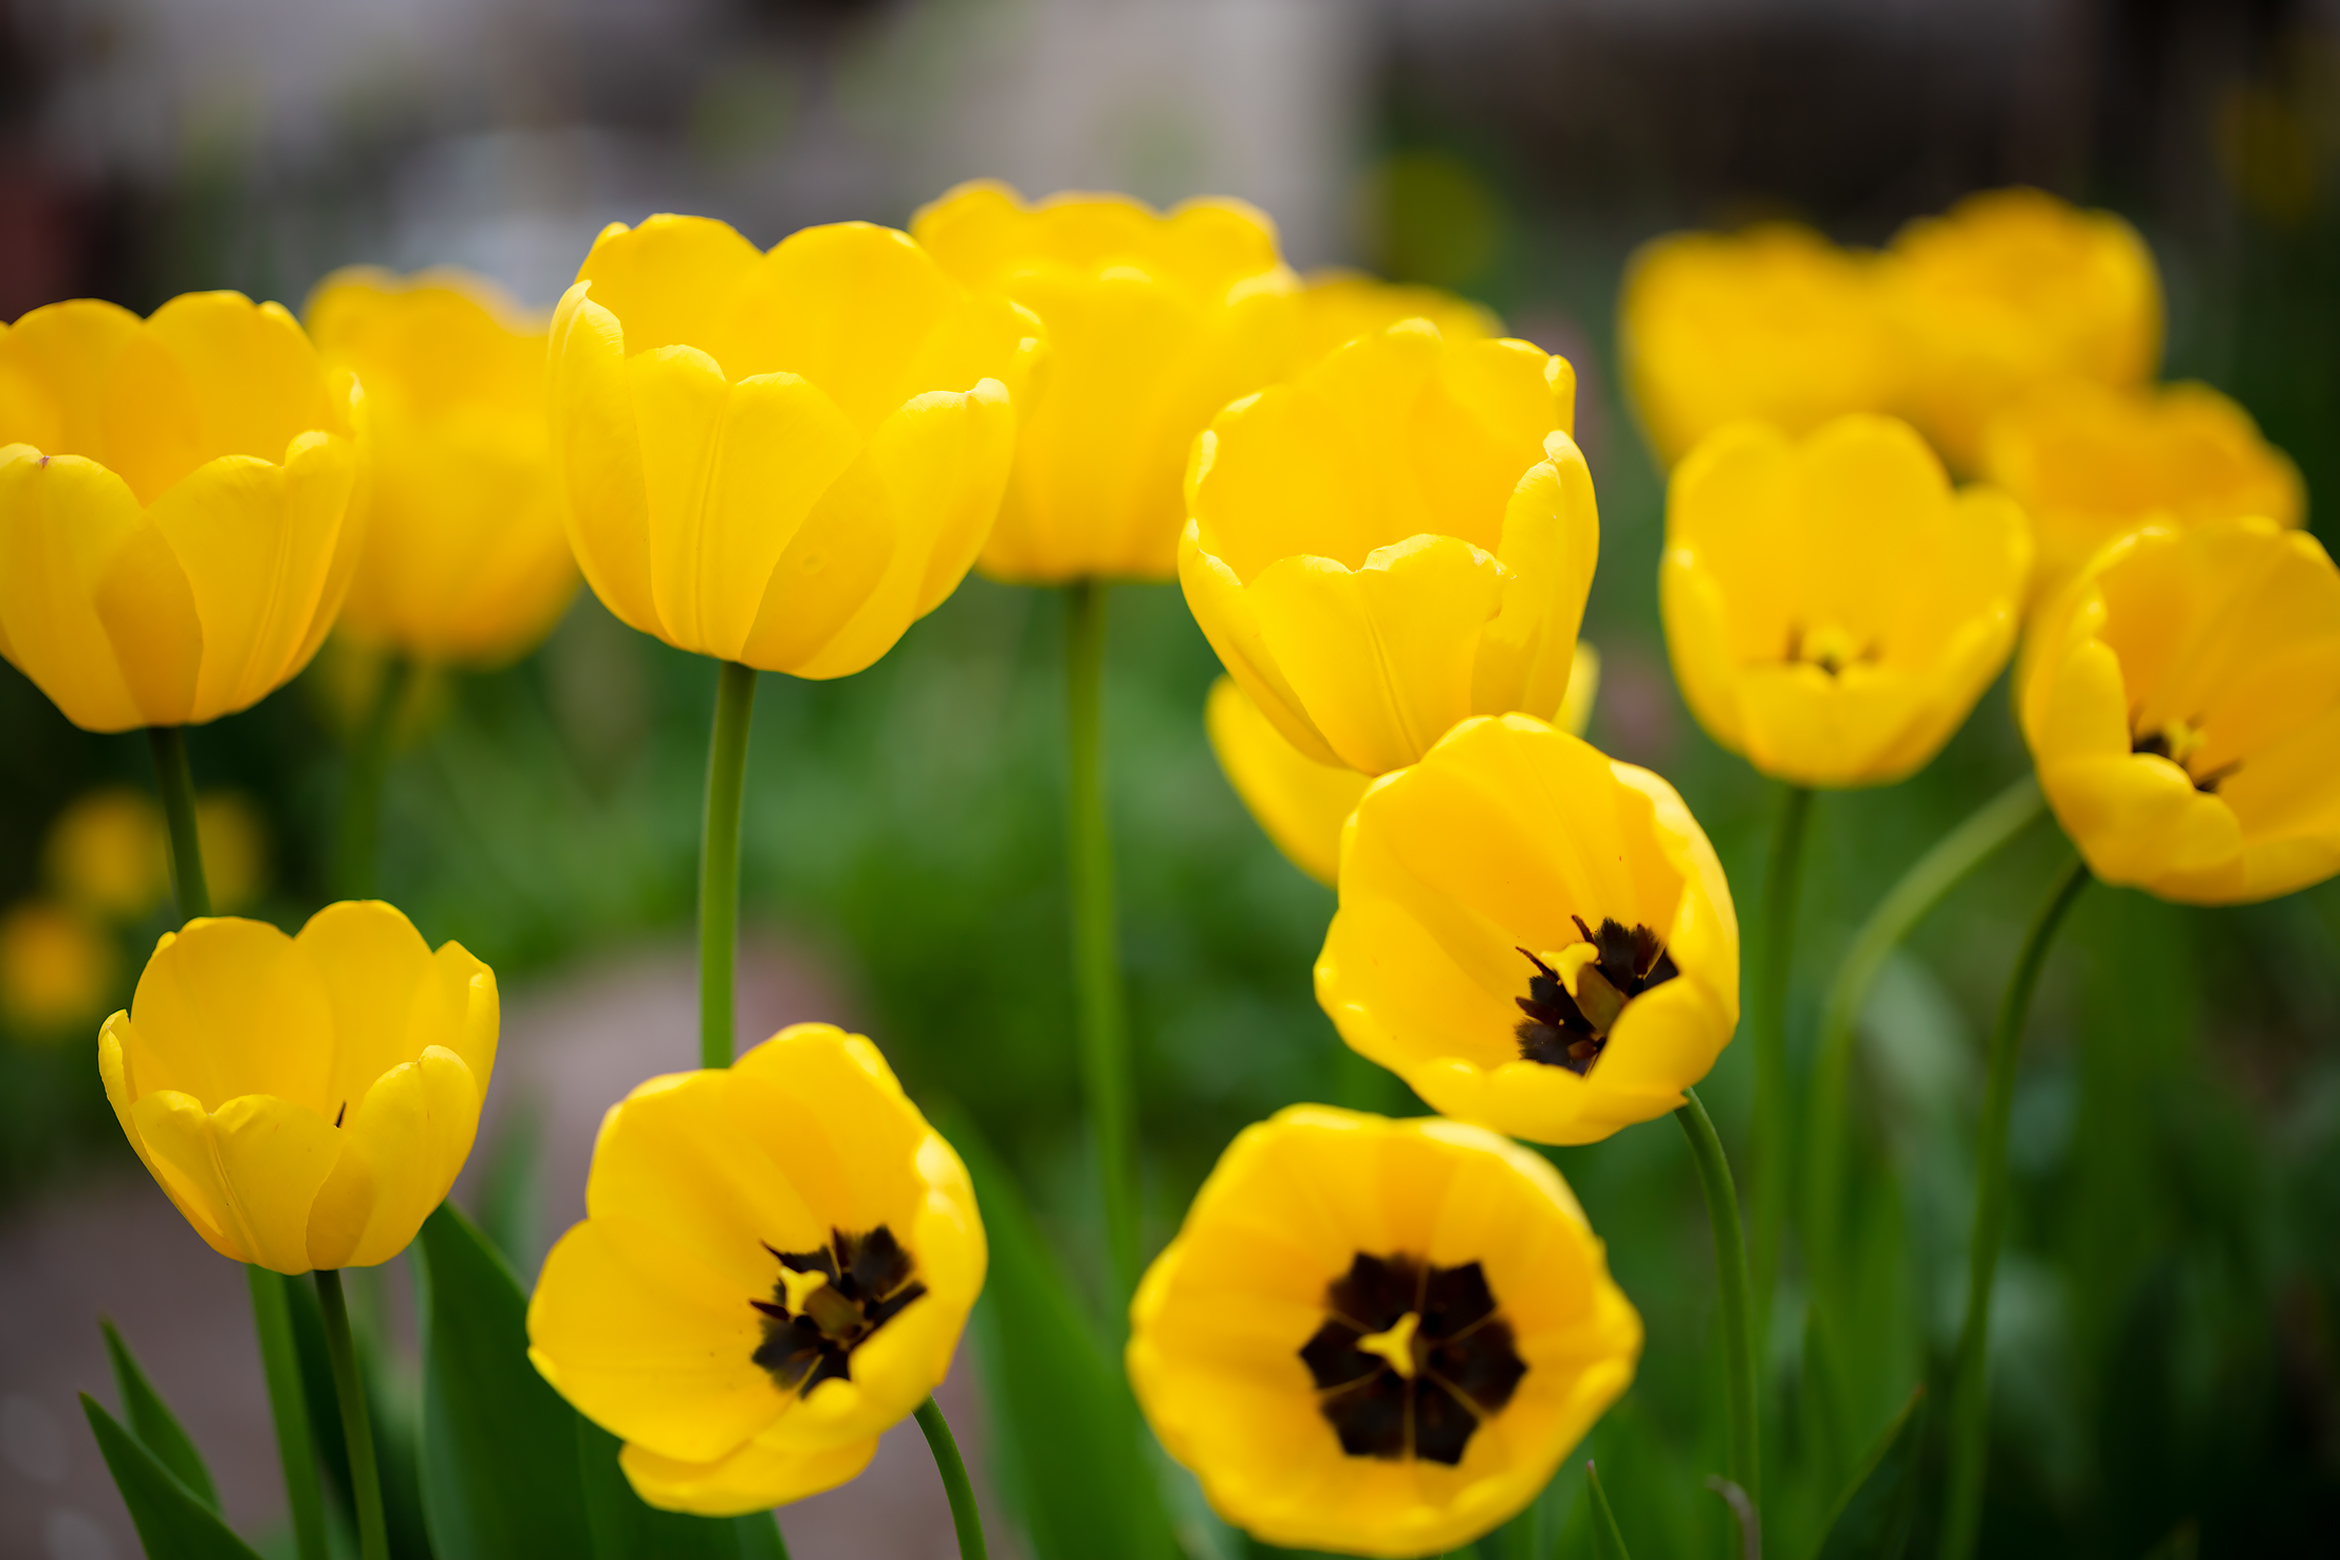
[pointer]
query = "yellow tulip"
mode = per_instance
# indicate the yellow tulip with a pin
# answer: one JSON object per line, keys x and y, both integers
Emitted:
{"x": 1832, "y": 607}
{"x": 2089, "y": 462}
{"x": 1155, "y": 321}
{"x": 57, "y": 968}
{"x": 107, "y": 853}
{"x": 1302, "y": 803}
{"x": 2182, "y": 701}
{"x": 782, "y": 459}
{"x": 466, "y": 559}
{"x": 1515, "y": 870}
{"x": 2014, "y": 289}
{"x": 1378, "y": 1337}
{"x": 305, "y": 1101}
{"x": 775, "y": 1265}
{"x": 1336, "y": 307}
{"x": 1774, "y": 323}
{"x": 234, "y": 842}
{"x": 1400, "y": 538}
{"x": 176, "y": 521}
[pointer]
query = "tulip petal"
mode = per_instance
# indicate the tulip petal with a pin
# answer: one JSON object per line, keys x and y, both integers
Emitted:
{"x": 404, "y": 1141}
{"x": 1298, "y": 801}
{"x": 228, "y": 1008}
{"x": 63, "y": 521}
{"x": 598, "y": 462}
{"x": 754, "y": 1478}
{"x": 147, "y": 605}
{"x": 121, "y": 1089}
{"x": 55, "y": 365}
{"x": 1551, "y": 542}
{"x": 258, "y": 1161}
{"x": 377, "y": 971}
{"x": 1223, "y": 609}
{"x": 671, "y": 281}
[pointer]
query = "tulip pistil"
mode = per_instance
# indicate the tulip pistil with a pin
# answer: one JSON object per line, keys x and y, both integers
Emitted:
{"x": 1411, "y": 1358}
{"x": 1830, "y": 647}
{"x": 828, "y": 1301}
{"x": 2179, "y": 741}
{"x": 1570, "y": 1028}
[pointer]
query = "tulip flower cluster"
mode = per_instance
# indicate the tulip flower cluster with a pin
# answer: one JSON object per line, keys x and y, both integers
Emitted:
{"x": 1368, "y": 1336}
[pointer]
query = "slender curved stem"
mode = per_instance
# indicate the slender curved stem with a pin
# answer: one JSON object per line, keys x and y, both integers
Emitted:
{"x": 1104, "y": 1020}
{"x": 176, "y": 783}
{"x": 358, "y": 847}
{"x": 1775, "y": 1158}
{"x": 735, "y": 706}
{"x": 1730, "y": 1266}
{"x": 357, "y": 1428}
{"x": 280, "y": 1362}
{"x": 1926, "y": 884}
{"x": 965, "y": 1518}
{"x": 1970, "y": 1378}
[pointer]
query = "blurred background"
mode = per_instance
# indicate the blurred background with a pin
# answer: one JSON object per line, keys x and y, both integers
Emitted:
{"x": 2167, "y": 1341}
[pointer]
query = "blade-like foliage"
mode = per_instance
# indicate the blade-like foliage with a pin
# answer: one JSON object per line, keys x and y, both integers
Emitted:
{"x": 1608, "y": 1542}
{"x": 173, "y": 1522}
{"x": 151, "y": 1420}
{"x": 1872, "y": 1519}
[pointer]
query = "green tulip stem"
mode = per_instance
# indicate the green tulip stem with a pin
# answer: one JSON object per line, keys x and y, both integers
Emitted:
{"x": 735, "y": 706}
{"x": 1767, "y": 996}
{"x": 1925, "y": 885}
{"x": 357, "y": 1427}
{"x": 176, "y": 782}
{"x": 966, "y": 1519}
{"x": 1104, "y": 1019}
{"x": 280, "y": 1363}
{"x": 358, "y": 849}
{"x": 1730, "y": 1265}
{"x": 280, "y": 1366}
{"x": 1970, "y": 1375}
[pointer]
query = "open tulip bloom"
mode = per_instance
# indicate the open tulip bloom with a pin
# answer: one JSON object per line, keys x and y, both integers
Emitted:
{"x": 781, "y": 459}
{"x": 776, "y": 1262}
{"x": 304, "y": 1101}
{"x": 2182, "y": 701}
{"x": 1832, "y": 608}
{"x": 1378, "y": 1337}
{"x": 176, "y": 524}
{"x": 466, "y": 559}
{"x": 1399, "y": 539}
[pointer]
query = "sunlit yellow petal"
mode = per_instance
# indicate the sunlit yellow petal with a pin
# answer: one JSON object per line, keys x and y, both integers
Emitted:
{"x": 754, "y": 1478}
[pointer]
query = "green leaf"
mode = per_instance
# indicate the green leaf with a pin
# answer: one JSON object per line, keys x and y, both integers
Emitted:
{"x": 1066, "y": 1435}
{"x": 500, "y": 1474}
{"x": 173, "y": 1522}
{"x": 1608, "y": 1543}
{"x": 625, "y": 1528}
{"x": 1872, "y": 1518}
{"x": 153, "y": 1423}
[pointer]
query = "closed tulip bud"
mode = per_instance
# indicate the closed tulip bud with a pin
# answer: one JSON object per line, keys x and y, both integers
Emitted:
{"x": 1302, "y": 804}
{"x": 782, "y": 459}
{"x": 1378, "y": 1337}
{"x": 466, "y": 560}
{"x": 1155, "y": 321}
{"x": 1774, "y": 324}
{"x": 2011, "y": 290}
{"x": 2089, "y": 462}
{"x": 2182, "y": 701}
{"x": 1832, "y": 607}
{"x": 1336, "y": 307}
{"x": 1536, "y": 938}
{"x": 304, "y": 1101}
{"x": 1399, "y": 539}
{"x": 776, "y": 1262}
{"x": 176, "y": 522}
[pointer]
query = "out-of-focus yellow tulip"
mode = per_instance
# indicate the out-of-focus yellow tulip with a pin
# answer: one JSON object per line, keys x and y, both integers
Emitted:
{"x": 57, "y": 968}
{"x": 782, "y": 459}
{"x": 1302, "y": 803}
{"x": 176, "y": 522}
{"x": 2182, "y": 700}
{"x": 1336, "y": 307}
{"x": 1517, "y": 870}
{"x": 1773, "y": 323}
{"x": 466, "y": 559}
{"x": 305, "y": 1101}
{"x": 776, "y": 1262}
{"x": 2010, "y": 290}
{"x": 107, "y": 853}
{"x": 2088, "y": 462}
{"x": 234, "y": 841}
{"x": 1832, "y": 607}
{"x": 1400, "y": 538}
{"x": 1155, "y": 321}
{"x": 1378, "y": 1337}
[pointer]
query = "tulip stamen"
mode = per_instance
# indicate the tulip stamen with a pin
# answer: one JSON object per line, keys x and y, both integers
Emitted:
{"x": 1570, "y": 1029}
{"x": 1830, "y": 647}
{"x": 1411, "y": 1358}
{"x": 2180, "y": 741}
{"x": 337, "y": 1115}
{"x": 828, "y": 1301}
